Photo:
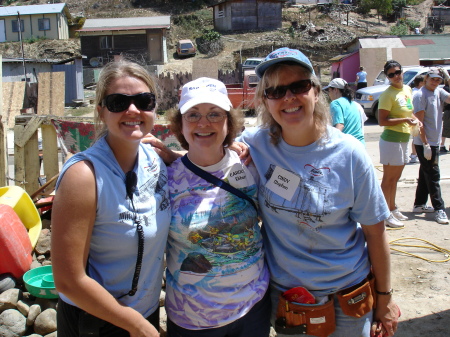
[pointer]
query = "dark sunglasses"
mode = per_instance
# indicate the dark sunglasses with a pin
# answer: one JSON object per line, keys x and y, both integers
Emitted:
{"x": 145, "y": 101}
{"x": 298, "y": 87}
{"x": 397, "y": 72}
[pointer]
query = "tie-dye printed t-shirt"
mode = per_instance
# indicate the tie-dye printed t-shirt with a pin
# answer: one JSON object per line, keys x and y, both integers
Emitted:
{"x": 215, "y": 261}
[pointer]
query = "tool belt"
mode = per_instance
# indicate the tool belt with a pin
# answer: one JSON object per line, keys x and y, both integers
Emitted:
{"x": 320, "y": 319}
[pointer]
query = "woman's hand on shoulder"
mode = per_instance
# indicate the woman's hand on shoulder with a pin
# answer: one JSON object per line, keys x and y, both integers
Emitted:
{"x": 166, "y": 154}
{"x": 243, "y": 151}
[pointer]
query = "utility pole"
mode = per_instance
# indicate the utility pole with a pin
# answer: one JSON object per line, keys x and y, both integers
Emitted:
{"x": 21, "y": 46}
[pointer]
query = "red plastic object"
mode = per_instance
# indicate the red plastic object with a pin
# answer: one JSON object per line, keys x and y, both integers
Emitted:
{"x": 15, "y": 244}
{"x": 299, "y": 295}
{"x": 45, "y": 208}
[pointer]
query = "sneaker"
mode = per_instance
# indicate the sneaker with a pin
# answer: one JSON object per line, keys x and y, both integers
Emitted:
{"x": 441, "y": 217}
{"x": 413, "y": 159}
{"x": 442, "y": 149}
{"x": 398, "y": 215}
{"x": 422, "y": 209}
{"x": 393, "y": 222}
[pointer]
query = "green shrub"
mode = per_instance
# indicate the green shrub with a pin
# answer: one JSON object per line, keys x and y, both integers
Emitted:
{"x": 399, "y": 29}
{"x": 210, "y": 43}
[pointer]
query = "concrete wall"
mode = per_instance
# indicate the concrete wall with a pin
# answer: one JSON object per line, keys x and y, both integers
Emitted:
{"x": 408, "y": 57}
{"x": 373, "y": 60}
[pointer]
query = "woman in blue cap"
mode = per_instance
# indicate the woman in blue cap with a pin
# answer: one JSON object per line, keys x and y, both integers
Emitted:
{"x": 322, "y": 208}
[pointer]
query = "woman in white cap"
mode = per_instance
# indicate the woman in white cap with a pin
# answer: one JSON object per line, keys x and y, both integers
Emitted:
{"x": 395, "y": 113}
{"x": 217, "y": 280}
{"x": 322, "y": 208}
{"x": 345, "y": 114}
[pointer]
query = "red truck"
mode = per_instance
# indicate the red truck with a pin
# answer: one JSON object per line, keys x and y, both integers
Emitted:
{"x": 241, "y": 94}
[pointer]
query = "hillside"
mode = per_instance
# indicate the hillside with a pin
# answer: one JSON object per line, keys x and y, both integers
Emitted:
{"x": 320, "y": 35}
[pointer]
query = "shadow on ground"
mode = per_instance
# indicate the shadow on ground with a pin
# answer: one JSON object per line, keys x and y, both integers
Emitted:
{"x": 436, "y": 325}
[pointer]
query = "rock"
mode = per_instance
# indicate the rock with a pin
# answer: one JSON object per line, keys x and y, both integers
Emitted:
{"x": 12, "y": 323}
{"x": 47, "y": 263}
{"x": 35, "y": 335}
{"x": 9, "y": 299}
{"x": 40, "y": 258}
{"x": 53, "y": 334}
{"x": 35, "y": 264}
{"x": 45, "y": 323}
{"x": 7, "y": 281}
{"x": 43, "y": 245}
{"x": 23, "y": 308}
{"x": 162, "y": 298}
{"x": 34, "y": 312}
{"x": 46, "y": 303}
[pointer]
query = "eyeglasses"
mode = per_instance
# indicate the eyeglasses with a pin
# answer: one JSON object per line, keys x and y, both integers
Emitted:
{"x": 145, "y": 101}
{"x": 298, "y": 87}
{"x": 213, "y": 116}
{"x": 391, "y": 75}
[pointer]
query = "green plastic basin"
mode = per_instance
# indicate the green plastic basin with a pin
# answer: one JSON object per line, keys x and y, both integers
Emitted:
{"x": 39, "y": 282}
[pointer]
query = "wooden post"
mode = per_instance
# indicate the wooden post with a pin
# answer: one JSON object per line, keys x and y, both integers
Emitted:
{"x": 50, "y": 152}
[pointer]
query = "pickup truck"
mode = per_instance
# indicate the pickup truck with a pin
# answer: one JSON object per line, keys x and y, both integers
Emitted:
{"x": 368, "y": 97}
{"x": 241, "y": 94}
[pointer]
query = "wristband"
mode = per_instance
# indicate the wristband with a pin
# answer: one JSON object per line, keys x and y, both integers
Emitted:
{"x": 385, "y": 292}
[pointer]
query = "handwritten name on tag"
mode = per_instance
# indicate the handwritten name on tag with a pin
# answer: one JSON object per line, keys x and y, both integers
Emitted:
{"x": 283, "y": 183}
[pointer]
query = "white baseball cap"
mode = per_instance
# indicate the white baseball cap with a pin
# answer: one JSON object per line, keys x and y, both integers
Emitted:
{"x": 336, "y": 83}
{"x": 204, "y": 90}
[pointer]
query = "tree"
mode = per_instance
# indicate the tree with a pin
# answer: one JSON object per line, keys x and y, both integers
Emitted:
{"x": 383, "y": 7}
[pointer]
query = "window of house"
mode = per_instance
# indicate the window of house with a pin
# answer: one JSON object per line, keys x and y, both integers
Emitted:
{"x": 221, "y": 11}
{"x": 105, "y": 42}
{"x": 44, "y": 24}
{"x": 15, "y": 26}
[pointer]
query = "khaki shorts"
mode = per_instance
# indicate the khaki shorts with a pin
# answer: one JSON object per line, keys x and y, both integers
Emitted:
{"x": 395, "y": 154}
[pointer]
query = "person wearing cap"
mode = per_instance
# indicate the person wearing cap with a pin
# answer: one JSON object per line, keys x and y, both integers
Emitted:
{"x": 319, "y": 198}
{"x": 428, "y": 108}
{"x": 344, "y": 112}
{"x": 361, "y": 78}
{"x": 216, "y": 279}
{"x": 395, "y": 114}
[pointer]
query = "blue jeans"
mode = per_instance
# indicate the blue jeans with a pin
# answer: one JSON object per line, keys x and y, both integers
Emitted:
{"x": 256, "y": 323}
{"x": 346, "y": 326}
{"x": 429, "y": 177}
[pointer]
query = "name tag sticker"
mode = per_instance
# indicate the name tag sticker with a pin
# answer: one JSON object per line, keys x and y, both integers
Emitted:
{"x": 237, "y": 176}
{"x": 283, "y": 183}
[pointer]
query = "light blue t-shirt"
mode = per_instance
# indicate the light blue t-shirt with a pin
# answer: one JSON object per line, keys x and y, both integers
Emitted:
{"x": 432, "y": 103}
{"x": 347, "y": 113}
{"x": 311, "y": 199}
{"x": 215, "y": 262}
{"x": 362, "y": 76}
{"x": 114, "y": 242}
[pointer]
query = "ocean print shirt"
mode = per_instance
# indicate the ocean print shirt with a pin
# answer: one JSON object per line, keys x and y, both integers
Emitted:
{"x": 215, "y": 262}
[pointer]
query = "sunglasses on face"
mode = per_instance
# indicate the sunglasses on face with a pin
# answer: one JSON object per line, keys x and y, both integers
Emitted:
{"x": 145, "y": 101}
{"x": 397, "y": 72}
{"x": 213, "y": 116}
{"x": 295, "y": 88}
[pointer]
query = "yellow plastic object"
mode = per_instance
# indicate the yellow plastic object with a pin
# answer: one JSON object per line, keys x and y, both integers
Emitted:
{"x": 17, "y": 198}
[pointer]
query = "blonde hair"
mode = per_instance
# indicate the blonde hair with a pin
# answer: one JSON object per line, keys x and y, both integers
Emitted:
{"x": 111, "y": 72}
{"x": 271, "y": 78}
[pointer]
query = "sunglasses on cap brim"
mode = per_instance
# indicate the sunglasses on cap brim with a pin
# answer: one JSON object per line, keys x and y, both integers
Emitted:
{"x": 145, "y": 101}
{"x": 391, "y": 75}
{"x": 295, "y": 88}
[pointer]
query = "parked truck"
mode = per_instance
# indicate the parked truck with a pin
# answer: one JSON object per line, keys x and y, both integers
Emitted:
{"x": 241, "y": 94}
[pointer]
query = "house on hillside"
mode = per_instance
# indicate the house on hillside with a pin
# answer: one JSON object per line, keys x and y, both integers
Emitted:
{"x": 49, "y": 21}
{"x": 230, "y": 15}
{"x": 141, "y": 38}
{"x": 345, "y": 66}
{"x": 433, "y": 48}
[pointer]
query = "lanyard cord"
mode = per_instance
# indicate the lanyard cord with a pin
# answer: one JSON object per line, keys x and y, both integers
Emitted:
{"x": 130, "y": 184}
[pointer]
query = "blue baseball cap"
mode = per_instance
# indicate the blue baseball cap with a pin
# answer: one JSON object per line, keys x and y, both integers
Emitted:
{"x": 284, "y": 55}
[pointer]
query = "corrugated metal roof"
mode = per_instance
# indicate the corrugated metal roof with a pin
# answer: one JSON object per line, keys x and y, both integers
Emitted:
{"x": 381, "y": 43}
{"x": 438, "y": 50}
{"x": 343, "y": 56}
{"x": 32, "y": 9}
{"x": 92, "y": 25}
{"x": 417, "y": 42}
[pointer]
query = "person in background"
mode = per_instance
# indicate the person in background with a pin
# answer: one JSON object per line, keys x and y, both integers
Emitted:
{"x": 395, "y": 114}
{"x": 361, "y": 78}
{"x": 418, "y": 83}
{"x": 445, "y": 122}
{"x": 217, "y": 279}
{"x": 428, "y": 106}
{"x": 319, "y": 197}
{"x": 111, "y": 215}
{"x": 344, "y": 112}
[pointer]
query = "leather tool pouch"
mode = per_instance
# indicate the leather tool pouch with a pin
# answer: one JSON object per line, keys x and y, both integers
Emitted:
{"x": 311, "y": 319}
{"x": 358, "y": 300}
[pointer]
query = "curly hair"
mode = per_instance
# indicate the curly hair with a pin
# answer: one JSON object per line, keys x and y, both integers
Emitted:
{"x": 235, "y": 124}
{"x": 111, "y": 72}
{"x": 271, "y": 79}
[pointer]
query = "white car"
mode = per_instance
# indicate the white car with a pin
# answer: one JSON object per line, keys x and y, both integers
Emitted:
{"x": 368, "y": 97}
{"x": 252, "y": 62}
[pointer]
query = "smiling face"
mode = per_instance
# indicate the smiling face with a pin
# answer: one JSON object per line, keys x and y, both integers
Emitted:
{"x": 293, "y": 110}
{"x": 132, "y": 124}
{"x": 431, "y": 83}
{"x": 397, "y": 80}
{"x": 205, "y": 138}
